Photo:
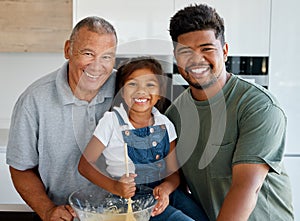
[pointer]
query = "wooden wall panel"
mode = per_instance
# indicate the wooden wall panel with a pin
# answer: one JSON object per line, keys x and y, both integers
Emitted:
{"x": 34, "y": 25}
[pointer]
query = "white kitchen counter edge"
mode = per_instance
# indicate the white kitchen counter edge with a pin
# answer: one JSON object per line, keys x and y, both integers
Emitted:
{"x": 15, "y": 208}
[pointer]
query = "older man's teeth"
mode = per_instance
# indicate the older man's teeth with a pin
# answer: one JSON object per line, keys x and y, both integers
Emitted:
{"x": 90, "y": 75}
{"x": 140, "y": 100}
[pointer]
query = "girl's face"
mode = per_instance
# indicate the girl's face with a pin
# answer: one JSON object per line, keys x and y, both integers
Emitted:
{"x": 141, "y": 90}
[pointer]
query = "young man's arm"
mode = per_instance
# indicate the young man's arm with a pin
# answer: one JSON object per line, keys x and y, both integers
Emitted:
{"x": 241, "y": 199}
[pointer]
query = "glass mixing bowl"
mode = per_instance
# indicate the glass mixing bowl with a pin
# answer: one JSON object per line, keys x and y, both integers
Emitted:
{"x": 96, "y": 204}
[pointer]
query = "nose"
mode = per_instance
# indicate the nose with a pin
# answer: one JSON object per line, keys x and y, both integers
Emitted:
{"x": 141, "y": 90}
{"x": 94, "y": 66}
{"x": 97, "y": 62}
{"x": 197, "y": 57}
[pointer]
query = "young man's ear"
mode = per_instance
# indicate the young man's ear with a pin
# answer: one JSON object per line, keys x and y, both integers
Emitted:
{"x": 225, "y": 51}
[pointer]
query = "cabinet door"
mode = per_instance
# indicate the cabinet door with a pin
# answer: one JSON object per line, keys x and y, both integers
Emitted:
{"x": 247, "y": 24}
{"x": 284, "y": 66}
{"x": 8, "y": 194}
{"x": 142, "y": 26}
{"x": 292, "y": 164}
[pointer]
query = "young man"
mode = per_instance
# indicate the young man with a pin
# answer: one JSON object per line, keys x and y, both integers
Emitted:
{"x": 231, "y": 132}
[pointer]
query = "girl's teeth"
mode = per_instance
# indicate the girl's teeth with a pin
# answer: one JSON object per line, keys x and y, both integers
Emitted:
{"x": 140, "y": 100}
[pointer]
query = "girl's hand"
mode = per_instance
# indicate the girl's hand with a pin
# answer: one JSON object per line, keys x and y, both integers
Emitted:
{"x": 162, "y": 197}
{"x": 125, "y": 186}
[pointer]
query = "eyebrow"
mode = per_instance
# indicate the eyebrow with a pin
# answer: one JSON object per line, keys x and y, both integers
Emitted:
{"x": 201, "y": 45}
{"x": 148, "y": 80}
{"x": 86, "y": 49}
{"x": 207, "y": 44}
{"x": 91, "y": 50}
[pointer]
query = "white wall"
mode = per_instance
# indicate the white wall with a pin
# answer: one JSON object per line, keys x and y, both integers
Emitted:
{"x": 285, "y": 81}
{"x": 17, "y": 71}
{"x": 141, "y": 26}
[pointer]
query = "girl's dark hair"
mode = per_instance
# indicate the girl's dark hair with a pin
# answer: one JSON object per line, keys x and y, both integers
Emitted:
{"x": 196, "y": 18}
{"x": 132, "y": 64}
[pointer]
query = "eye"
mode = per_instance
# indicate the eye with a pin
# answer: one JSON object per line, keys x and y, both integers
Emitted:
{"x": 151, "y": 84}
{"x": 185, "y": 52}
{"x": 107, "y": 57}
{"x": 131, "y": 83}
{"x": 88, "y": 54}
{"x": 208, "y": 49}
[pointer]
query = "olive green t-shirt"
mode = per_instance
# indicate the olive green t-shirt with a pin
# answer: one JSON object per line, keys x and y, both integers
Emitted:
{"x": 243, "y": 123}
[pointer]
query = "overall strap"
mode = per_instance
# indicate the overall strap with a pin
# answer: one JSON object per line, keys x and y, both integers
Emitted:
{"x": 120, "y": 118}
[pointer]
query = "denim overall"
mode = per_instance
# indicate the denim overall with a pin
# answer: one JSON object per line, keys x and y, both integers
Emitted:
{"x": 147, "y": 148}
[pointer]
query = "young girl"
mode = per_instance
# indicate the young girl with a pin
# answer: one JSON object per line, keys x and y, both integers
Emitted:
{"x": 150, "y": 139}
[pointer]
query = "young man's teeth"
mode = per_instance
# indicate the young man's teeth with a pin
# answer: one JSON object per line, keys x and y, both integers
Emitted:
{"x": 198, "y": 70}
{"x": 140, "y": 100}
{"x": 90, "y": 75}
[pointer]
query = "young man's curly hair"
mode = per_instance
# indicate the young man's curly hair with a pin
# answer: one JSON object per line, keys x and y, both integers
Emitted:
{"x": 196, "y": 18}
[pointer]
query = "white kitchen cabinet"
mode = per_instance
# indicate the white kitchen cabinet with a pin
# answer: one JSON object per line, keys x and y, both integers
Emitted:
{"x": 284, "y": 66}
{"x": 142, "y": 26}
{"x": 247, "y": 24}
{"x": 8, "y": 194}
{"x": 292, "y": 164}
{"x": 285, "y": 82}
{"x": 10, "y": 200}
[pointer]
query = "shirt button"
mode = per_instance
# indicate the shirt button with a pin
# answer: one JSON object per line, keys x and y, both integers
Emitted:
{"x": 159, "y": 165}
{"x": 127, "y": 133}
{"x": 157, "y": 156}
{"x": 151, "y": 130}
{"x": 154, "y": 143}
{"x": 163, "y": 126}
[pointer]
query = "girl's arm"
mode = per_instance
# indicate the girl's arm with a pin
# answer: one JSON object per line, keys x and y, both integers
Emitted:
{"x": 171, "y": 182}
{"x": 87, "y": 167}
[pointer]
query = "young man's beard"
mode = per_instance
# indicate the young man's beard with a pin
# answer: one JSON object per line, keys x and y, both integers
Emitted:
{"x": 202, "y": 86}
